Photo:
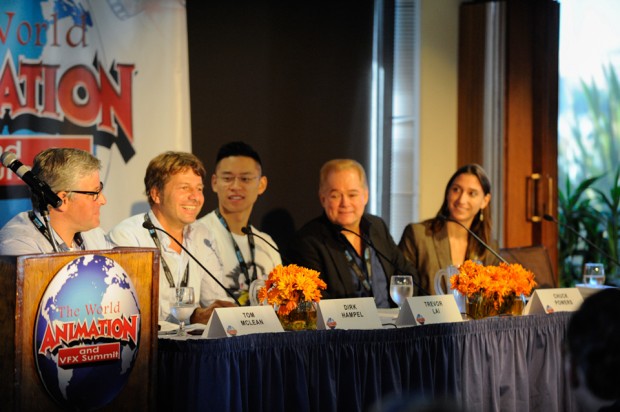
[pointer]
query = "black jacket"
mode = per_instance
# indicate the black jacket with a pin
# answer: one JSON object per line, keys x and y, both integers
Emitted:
{"x": 319, "y": 245}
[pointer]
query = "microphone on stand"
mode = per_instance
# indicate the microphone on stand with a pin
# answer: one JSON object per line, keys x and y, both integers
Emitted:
{"x": 42, "y": 189}
{"x": 247, "y": 230}
{"x": 585, "y": 239}
{"x": 475, "y": 236}
{"x": 369, "y": 243}
{"x": 150, "y": 226}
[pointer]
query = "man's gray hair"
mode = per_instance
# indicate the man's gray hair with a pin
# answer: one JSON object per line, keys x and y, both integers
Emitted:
{"x": 63, "y": 168}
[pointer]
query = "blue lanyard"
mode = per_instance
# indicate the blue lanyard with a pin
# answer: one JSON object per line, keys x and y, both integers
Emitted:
{"x": 240, "y": 259}
{"x": 365, "y": 280}
{"x": 77, "y": 238}
{"x": 167, "y": 271}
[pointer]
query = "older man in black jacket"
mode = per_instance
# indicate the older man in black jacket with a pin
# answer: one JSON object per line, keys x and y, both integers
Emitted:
{"x": 353, "y": 251}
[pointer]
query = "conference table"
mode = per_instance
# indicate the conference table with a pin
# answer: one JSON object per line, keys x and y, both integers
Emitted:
{"x": 493, "y": 364}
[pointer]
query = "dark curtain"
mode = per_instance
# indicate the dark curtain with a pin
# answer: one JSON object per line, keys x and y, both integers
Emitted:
{"x": 293, "y": 79}
{"x": 496, "y": 364}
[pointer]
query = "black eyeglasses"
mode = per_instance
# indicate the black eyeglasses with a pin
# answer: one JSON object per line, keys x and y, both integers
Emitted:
{"x": 95, "y": 195}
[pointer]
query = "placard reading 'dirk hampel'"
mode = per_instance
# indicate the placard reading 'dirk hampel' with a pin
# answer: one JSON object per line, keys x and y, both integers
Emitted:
{"x": 554, "y": 300}
{"x": 424, "y": 310}
{"x": 356, "y": 313}
{"x": 228, "y": 322}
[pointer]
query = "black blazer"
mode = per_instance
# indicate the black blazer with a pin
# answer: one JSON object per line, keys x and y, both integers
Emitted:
{"x": 320, "y": 246}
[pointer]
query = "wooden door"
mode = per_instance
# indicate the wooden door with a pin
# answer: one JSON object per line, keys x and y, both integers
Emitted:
{"x": 516, "y": 40}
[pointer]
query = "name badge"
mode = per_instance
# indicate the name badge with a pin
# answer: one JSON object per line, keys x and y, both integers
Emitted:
{"x": 229, "y": 322}
{"x": 425, "y": 310}
{"x": 554, "y": 300}
{"x": 356, "y": 313}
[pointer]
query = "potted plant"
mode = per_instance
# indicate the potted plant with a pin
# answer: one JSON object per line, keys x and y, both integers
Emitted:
{"x": 595, "y": 214}
{"x": 293, "y": 291}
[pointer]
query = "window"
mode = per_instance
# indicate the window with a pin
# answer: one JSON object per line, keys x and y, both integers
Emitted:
{"x": 589, "y": 138}
{"x": 404, "y": 190}
{"x": 589, "y": 135}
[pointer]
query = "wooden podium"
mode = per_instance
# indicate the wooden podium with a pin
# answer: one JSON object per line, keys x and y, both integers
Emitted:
{"x": 23, "y": 281}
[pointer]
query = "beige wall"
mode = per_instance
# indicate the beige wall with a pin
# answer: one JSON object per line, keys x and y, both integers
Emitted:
{"x": 438, "y": 100}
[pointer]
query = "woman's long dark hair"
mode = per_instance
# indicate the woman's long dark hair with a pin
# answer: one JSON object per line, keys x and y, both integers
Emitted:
{"x": 481, "y": 228}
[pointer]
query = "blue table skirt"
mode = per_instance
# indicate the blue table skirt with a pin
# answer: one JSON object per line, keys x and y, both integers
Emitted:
{"x": 496, "y": 364}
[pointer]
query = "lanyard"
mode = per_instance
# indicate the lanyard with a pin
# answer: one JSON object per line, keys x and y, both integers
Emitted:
{"x": 365, "y": 280}
{"x": 77, "y": 238}
{"x": 240, "y": 259}
{"x": 163, "y": 261}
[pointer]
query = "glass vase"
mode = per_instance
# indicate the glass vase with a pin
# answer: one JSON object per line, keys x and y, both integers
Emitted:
{"x": 512, "y": 306}
{"x": 303, "y": 317}
{"x": 479, "y": 307}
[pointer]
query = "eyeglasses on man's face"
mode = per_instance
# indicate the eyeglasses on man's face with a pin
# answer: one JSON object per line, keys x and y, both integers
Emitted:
{"x": 230, "y": 179}
{"x": 95, "y": 195}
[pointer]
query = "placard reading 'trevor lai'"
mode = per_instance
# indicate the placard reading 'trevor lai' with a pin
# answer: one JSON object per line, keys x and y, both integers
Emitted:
{"x": 424, "y": 310}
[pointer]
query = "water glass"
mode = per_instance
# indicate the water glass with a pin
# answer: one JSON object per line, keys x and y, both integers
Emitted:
{"x": 401, "y": 288}
{"x": 594, "y": 274}
{"x": 255, "y": 287}
{"x": 183, "y": 307}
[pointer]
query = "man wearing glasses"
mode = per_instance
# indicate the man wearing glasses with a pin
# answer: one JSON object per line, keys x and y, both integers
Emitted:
{"x": 238, "y": 181}
{"x": 73, "y": 175}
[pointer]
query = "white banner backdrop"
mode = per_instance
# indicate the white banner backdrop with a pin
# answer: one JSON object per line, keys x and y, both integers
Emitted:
{"x": 108, "y": 76}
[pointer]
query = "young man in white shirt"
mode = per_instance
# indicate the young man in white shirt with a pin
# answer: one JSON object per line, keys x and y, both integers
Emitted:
{"x": 238, "y": 181}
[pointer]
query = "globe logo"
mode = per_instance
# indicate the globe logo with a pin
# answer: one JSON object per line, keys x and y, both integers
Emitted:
{"x": 231, "y": 330}
{"x": 87, "y": 333}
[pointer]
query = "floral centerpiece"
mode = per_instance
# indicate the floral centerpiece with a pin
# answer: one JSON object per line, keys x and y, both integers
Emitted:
{"x": 292, "y": 290}
{"x": 493, "y": 290}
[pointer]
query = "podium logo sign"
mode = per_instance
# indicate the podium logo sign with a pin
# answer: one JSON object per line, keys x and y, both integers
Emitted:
{"x": 87, "y": 333}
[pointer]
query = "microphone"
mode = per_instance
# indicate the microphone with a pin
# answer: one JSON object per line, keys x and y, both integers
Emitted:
{"x": 150, "y": 226}
{"x": 585, "y": 239}
{"x": 475, "y": 236}
{"x": 369, "y": 243}
{"x": 42, "y": 189}
{"x": 248, "y": 231}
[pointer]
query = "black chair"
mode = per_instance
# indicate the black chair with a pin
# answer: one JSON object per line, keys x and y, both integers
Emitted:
{"x": 536, "y": 259}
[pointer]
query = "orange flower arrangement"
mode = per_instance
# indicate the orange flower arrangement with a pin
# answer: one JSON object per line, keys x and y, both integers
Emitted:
{"x": 287, "y": 285}
{"x": 494, "y": 283}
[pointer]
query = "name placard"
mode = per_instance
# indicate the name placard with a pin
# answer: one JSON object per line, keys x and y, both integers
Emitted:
{"x": 554, "y": 300}
{"x": 425, "y": 310}
{"x": 356, "y": 313}
{"x": 229, "y": 322}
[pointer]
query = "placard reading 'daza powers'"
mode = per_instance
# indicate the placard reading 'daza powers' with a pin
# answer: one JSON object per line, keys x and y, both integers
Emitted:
{"x": 425, "y": 310}
{"x": 554, "y": 300}
{"x": 228, "y": 322}
{"x": 356, "y": 313}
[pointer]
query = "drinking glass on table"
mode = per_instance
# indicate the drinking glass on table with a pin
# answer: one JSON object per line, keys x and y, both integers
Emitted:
{"x": 183, "y": 307}
{"x": 401, "y": 288}
{"x": 255, "y": 286}
{"x": 594, "y": 274}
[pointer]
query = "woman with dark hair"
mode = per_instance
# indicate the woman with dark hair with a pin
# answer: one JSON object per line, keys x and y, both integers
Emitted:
{"x": 442, "y": 241}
